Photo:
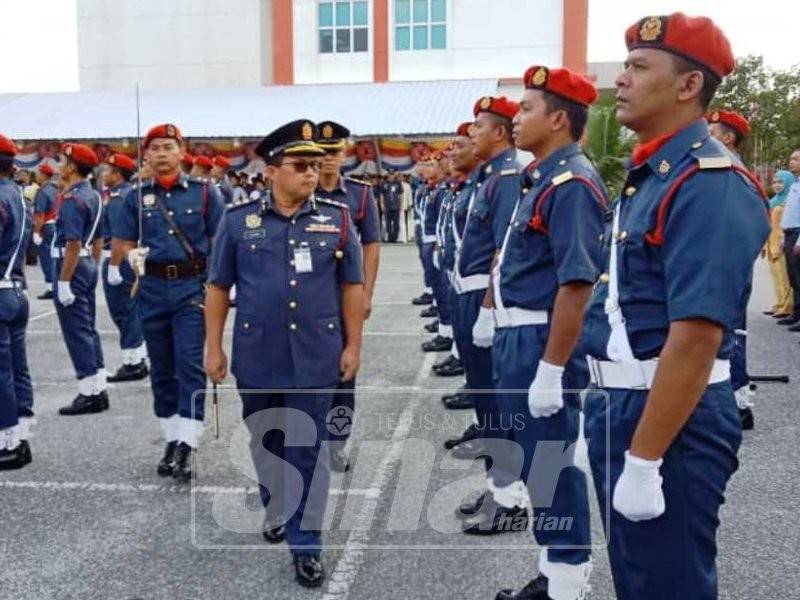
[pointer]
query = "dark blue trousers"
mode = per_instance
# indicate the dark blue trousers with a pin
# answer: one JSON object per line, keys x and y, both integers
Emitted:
{"x": 16, "y": 391}
{"x": 124, "y": 310}
{"x": 287, "y": 430}
{"x": 78, "y": 319}
{"x": 557, "y": 487}
{"x": 435, "y": 277}
{"x": 43, "y": 252}
{"x": 673, "y": 556}
{"x": 174, "y": 330}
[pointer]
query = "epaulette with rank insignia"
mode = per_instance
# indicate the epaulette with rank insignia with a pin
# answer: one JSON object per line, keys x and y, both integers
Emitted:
{"x": 244, "y": 204}
{"x": 562, "y": 178}
{"x": 354, "y": 180}
{"x": 511, "y": 171}
{"x": 335, "y": 203}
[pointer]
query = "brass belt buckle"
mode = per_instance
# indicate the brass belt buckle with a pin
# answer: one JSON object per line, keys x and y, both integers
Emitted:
{"x": 172, "y": 271}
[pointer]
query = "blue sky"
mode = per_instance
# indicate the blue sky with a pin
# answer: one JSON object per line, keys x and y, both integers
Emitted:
{"x": 46, "y": 30}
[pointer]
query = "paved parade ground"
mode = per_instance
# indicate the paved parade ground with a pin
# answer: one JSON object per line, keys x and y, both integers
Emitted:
{"x": 90, "y": 519}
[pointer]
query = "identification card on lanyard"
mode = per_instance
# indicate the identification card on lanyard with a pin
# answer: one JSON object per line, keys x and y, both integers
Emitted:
{"x": 302, "y": 260}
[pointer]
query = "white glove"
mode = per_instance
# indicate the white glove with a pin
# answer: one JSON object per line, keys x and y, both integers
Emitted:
{"x": 37, "y": 239}
{"x": 483, "y": 329}
{"x": 114, "y": 277}
{"x": 638, "y": 495}
{"x": 136, "y": 259}
{"x": 546, "y": 395}
{"x": 65, "y": 295}
{"x": 436, "y": 262}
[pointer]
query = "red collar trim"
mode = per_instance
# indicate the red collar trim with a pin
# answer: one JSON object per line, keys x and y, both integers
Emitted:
{"x": 643, "y": 152}
{"x": 168, "y": 181}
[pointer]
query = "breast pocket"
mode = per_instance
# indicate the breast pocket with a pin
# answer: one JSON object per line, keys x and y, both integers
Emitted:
{"x": 190, "y": 220}
{"x": 152, "y": 223}
{"x": 640, "y": 268}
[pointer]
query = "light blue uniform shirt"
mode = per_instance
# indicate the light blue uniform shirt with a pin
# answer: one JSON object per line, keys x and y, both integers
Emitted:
{"x": 791, "y": 214}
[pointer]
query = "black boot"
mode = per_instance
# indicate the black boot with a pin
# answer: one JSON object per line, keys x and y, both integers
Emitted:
{"x": 469, "y": 450}
{"x": 535, "y": 590}
{"x": 308, "y": 570}
{"x": 46, "y": 295}
{"x": 182, "y": 471}
{"x": 84, "y": 405}
{"x": 25, "y": 451}
{"x": 423, "y": 300}
{"x": 459, "y": 402}
{"x": 747, "y": 418}
{"x": 167, "y": 462}
{"x": 432, "y": 327}
{"x": 429, "y": 312}
{"x": 130, "y": 372}
{"x": 12, "y": 459}
{"x": 438, "y": 344}
{"x": 449, "y": 367}
{"x": 469, "y": 434}
{"x": 472, "y": 505}
{"x": 493, "y": 519}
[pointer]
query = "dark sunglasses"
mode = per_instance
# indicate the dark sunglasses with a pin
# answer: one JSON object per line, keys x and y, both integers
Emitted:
{"x": 301, "y": 166}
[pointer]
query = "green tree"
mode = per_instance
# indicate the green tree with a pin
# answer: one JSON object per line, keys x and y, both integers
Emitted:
{"x": 608, "y": 143}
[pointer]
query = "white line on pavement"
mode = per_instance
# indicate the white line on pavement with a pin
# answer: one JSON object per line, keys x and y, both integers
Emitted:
{"x": 352, "y": 557}
{"x": 47, "y": 313}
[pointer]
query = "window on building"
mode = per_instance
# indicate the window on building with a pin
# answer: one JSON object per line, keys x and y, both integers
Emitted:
{"x": 343, "y": 26}
{"x": 420, "y": 24}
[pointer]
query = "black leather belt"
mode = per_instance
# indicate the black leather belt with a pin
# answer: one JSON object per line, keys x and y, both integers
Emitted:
{"x": 177, "y": 270}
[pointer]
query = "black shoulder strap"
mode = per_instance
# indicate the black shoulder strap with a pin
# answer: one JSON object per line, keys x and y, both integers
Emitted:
{"x": 184, "y": 241}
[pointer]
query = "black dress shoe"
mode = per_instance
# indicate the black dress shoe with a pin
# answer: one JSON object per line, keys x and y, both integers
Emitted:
{"x": 104, "y": 399}
{"x": 747, "y": 418}
{"x": 460, "y": 402}
{"x": 12, "y": 459}
{"x": 781, "y": 316}
{"x": 423, "y": 299}
{"x": 182, "y": 471}
{"x": 432, "y": 327}
{"x": 339, "y": 462}
{"x": 445, "y": 363}
{"x": 308, "y": 570}
{"x": 469, "y": 434}
{"x": 452, "y": 370}
{"x": 274, "y": 534}
{"x": 25, "y": 451}
{"x": 535, "y": 590}
{"x": 472, "y": 505}
{"x": 130, "y": 372}
{"x": 469, "y": 450}
{"x": 429, "y": 312}
{"x": 769, "y": 313}
{"x": 459, "y": 392}
{"x": 494, "y": 519}
{"x": 84, "y": 405}
{"x": 167, "y": 462}
{"x": 795, "y": 327}
{"x": 789, "y": 321}
{"x": 46, "y": 295}
{"x": 438, "y": 344}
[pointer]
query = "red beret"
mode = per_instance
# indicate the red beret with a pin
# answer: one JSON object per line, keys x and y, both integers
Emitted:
{"x": 125, "y": 163}
{"x": 464, "y": 128}
{"x": 80, "y": 154}
{"x": 221, "y": 161}
{"x": 7, "y": 146}
{"x": 502, "y": 107}
{"x": 167, "y": 130}
{"x": 46, "y": 169}
{"x": 561, "y": 82}
{"x": 203, "y": 161}
{"x": 731, "y": 119}
{"x": 695, "y": 38}
{"x": 187, "y": 159}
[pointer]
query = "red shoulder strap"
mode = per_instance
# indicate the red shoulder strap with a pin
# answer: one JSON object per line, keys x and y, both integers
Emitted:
{"x": 655, "y": 237}
{"x": 204, "y": 201}
{"x": 362, "y": 207}
{"x": 345, "y": 229}
{"x": 537, "y": 220}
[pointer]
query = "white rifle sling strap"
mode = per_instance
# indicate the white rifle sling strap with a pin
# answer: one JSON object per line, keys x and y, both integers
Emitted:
{"x": 10, "y": 267}
{"x": 619, "y": 346}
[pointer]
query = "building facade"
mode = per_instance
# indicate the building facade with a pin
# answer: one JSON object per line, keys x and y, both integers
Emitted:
{"x": 204, "y": 43}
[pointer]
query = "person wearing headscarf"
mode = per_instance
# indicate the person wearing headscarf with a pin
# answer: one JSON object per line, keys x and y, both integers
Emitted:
{"x": 773, "y": 250}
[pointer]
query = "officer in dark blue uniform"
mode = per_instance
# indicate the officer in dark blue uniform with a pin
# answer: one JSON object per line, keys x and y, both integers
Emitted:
{"x": 165, "y": 230}
{"x": 76, "y": 250}
{"x": 44, "y": 223}
{"x": 296, "y": 262}
{"x": 16, "y": 392}
{"x": 488, "y": 211}
{"x": 393, "y": 203}
{"x": 686, "y": 231}
{"x": 423, "y": 168}
{"x": 731, "y": 129}
{"x": 465, "y": 165}
{"x": 118, "y": 276}
{"x": 430, "y": 255}
{"x": 542, "y": 282}
{"x": 358, "y": 197}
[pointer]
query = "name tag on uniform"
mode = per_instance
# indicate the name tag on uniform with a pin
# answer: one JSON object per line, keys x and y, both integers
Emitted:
{"x": 302, "y": 260}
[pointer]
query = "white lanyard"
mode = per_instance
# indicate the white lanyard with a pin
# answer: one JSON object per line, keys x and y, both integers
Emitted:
{"x": 498, "y": 299}
{"x": 10, "y": 266}
{"x": 89, "y": 241}
{"x": 619, "y": 346}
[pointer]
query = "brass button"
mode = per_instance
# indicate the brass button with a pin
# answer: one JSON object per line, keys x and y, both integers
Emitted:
{"x": 536, "y": 174}
{"x": 291, "y": 242}
{"x": 339, "y": 254}
{"x": 696, "y": 145}
{"x": 600, "y": 237}
{"x": 170, "y": 213}
{"x": 252, "y": 246}
{"x": 292, "y": 304}
{"x": 293, "y": 282}
{"x": 168, "y": 195}
{"x": 189, "y": 211}
{"x": 294, "y": 221}
{"x": 623, "y": 235}
{"x": 630, "y": 191}
{"x": 331, "y": 326}
{"x": 604, "y": 278}
{"x": 562, "y": 162}
{"x": 171, "y": 232}
{"x": 246, "y": 325}
{"x": 291, "y": 262}
{"x": 323, "y": 244}
{"x": 293, "y": 326}
{"x": 526, "y": 190}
